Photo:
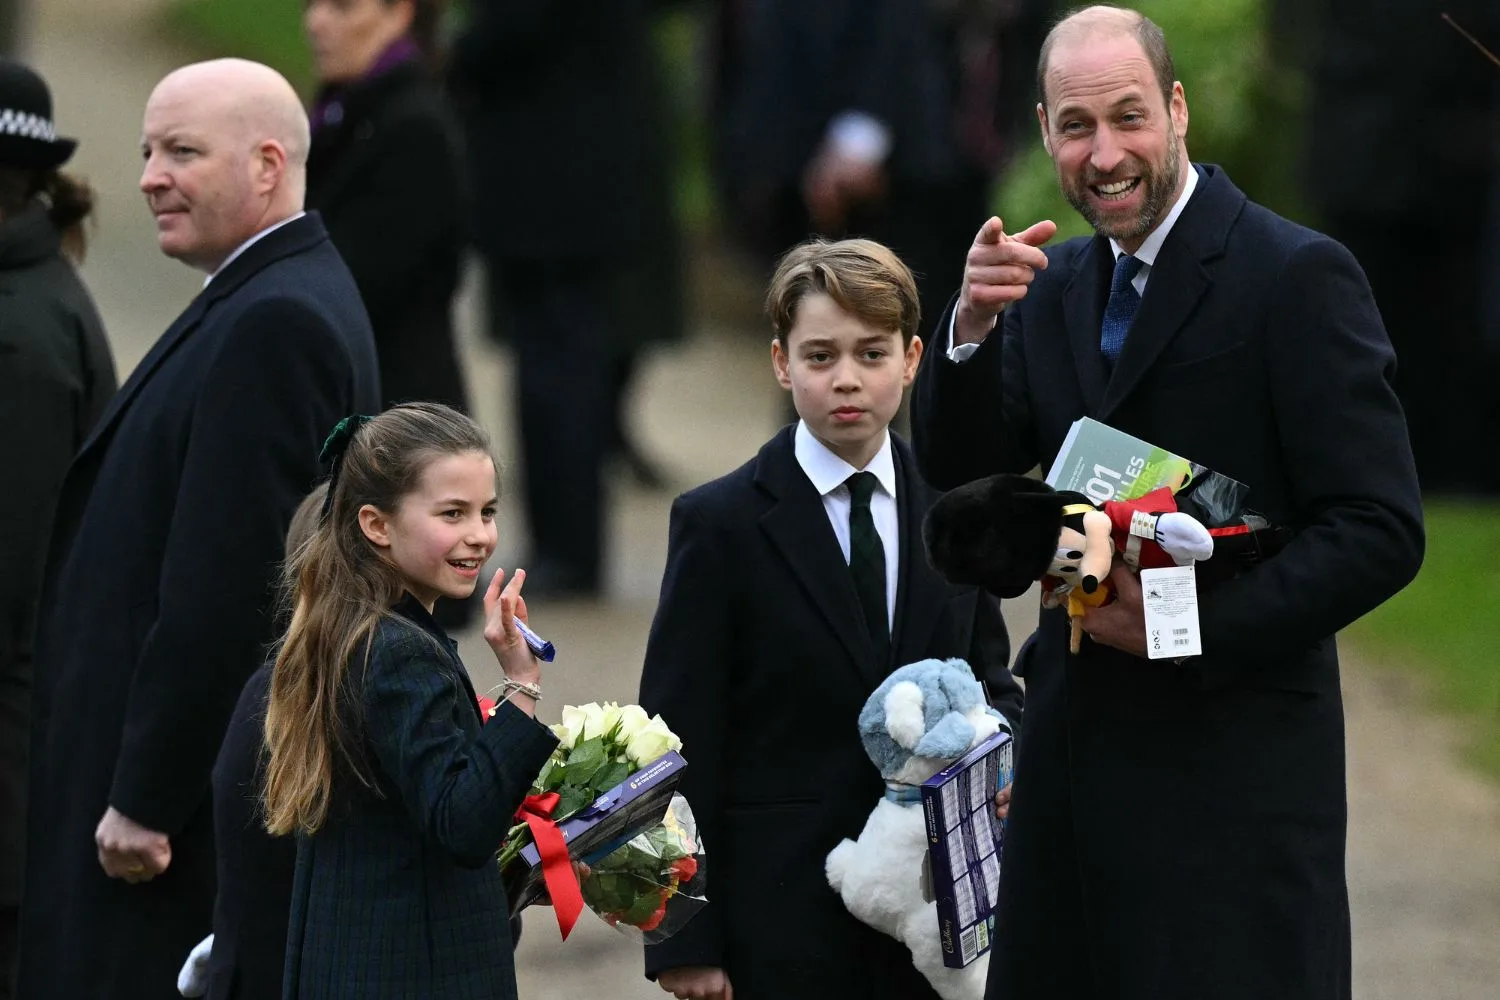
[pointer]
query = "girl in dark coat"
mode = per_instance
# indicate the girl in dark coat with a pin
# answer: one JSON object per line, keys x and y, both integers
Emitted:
{"x": 377, "y": 756}
{"x": 56, "y": 375}
{"x": 384, "y": 171}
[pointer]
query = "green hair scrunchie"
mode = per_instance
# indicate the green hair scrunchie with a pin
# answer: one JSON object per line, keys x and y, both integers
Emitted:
{"x": 334, "y": 447}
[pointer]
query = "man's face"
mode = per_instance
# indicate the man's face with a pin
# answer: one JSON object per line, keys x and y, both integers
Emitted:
{"x": 845, "y": 376}
{"x": 1116, "y": 143}
{"x": 199, "y": 178}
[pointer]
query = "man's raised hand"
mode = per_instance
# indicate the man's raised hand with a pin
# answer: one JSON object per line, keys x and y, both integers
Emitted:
{"x": 999, "y": 268}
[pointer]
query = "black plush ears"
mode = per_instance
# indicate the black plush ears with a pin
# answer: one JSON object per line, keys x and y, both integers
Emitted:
{"x": 998, "y": 533}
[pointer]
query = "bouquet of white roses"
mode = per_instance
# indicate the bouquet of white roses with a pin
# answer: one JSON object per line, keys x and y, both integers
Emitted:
{"x": 609, "y": 781}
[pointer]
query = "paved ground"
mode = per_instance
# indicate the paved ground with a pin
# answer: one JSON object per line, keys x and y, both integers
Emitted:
{"x": 1424, "y": 851}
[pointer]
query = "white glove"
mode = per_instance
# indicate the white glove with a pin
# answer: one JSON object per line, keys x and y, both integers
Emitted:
{"x": 192, "y": 981}
{"x": 1183, "y": 538}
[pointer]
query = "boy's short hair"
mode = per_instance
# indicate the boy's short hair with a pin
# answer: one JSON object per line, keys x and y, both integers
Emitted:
{"x": 866, "y": 280}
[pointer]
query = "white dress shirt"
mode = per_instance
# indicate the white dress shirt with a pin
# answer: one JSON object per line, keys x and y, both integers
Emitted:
{"x": 1149, "y": 248}
{"x": 828, "y": 473}
{"x": 250, "y": 243}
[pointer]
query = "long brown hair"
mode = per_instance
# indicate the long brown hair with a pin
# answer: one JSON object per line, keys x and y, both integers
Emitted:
{"x": 338, "y": 586}
{"x": 69, "y": 202}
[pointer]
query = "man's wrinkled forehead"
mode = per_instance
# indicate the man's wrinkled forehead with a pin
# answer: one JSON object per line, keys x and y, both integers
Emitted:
{"x": 1085, "y": 69}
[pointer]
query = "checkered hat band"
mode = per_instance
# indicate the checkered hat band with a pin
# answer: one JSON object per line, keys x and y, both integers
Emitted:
{"x": 26, "y": 125}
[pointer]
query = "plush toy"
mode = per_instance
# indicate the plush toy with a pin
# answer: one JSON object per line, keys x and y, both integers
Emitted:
{"x": 922, "y": 718}
{"x": 1006, "y": 532}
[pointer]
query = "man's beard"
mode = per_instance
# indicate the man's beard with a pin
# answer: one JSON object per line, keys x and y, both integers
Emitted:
{"x": 1159, "y": 189}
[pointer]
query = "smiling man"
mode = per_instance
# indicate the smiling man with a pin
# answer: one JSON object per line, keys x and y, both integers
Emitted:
{"x": 161, "y": 569}
{"x": 1177, "y": 828}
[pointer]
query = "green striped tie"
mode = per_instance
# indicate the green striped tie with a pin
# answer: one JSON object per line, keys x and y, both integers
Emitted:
{"x": 867, "y": 561}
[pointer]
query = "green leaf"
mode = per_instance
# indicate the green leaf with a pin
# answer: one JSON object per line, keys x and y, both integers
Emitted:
{"x": 641, "y": 908}
{"x": 574, "y": 798}
{"x": 553, "y": 778}
{"x": 585, "y": 761}
{"x": 610, "y": 775}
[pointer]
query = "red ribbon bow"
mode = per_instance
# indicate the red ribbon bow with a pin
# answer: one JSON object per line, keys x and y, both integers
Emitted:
{"x": 557, "y": 866}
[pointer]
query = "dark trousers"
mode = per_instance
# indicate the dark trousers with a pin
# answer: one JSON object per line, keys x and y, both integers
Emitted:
{"x": 558, "y": 319}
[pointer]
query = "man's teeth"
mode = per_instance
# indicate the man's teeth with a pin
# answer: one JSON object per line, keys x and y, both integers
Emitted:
{"x": 1116, "y": 190}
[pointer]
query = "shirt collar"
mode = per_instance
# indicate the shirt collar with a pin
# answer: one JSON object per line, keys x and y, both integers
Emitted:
{"x": 828, "y": 472}
{"x": 250, "y": 243}
{"x": 1152, "y": 244}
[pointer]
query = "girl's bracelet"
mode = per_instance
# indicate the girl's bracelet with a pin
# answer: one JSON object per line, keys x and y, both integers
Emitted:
{"x": 510, "y": 687}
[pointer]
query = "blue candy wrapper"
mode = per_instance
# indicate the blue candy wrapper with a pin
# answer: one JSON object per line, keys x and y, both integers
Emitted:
{"x": 540, "y": 648}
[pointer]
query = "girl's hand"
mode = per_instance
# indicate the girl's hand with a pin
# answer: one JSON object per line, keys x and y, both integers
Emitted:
{"x": 502, "y": 608}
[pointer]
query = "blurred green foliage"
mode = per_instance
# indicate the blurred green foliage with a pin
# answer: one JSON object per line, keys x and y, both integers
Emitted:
{"x": 268, "y": 31}
{"x": 1445, "y": 629}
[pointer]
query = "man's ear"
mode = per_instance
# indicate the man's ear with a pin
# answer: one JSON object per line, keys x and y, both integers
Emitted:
{"x": 1041, "y": 120}
{"x": 913, "y": 361}
{"x": 781, "y": 364}
{"x": 1179, "y": 110}
{"x": 375, "y": 525}
{"x": 268, "y": 166}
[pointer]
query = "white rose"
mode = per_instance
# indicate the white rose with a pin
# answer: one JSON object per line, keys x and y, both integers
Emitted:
{"x": 565, "y": 736}
{"x": 593, "y": 720}
{"x": 580, "y": 722}
{"x": 633, "y": 719}
{"x": 611, "y": 716}
{"x": 651, "y": 742}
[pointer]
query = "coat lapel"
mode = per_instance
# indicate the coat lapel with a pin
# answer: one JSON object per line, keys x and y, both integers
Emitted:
{"x": 1083, "y": 313}
{"x": 1177, "y": 282}
{"x": 160, "y": 351}
{"x": 291, "y": 238}
{"x": 797, "y": 526}
{"x": 920, "y": 594}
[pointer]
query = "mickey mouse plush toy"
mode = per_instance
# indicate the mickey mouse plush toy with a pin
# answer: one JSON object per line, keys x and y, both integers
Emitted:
{"x": 1006, "y": 531}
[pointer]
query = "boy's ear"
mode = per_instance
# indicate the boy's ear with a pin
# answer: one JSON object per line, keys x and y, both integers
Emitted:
{"x": 913, "y": 360}
{"x": 375, "y": 525}
{"x": 781, "y": 364}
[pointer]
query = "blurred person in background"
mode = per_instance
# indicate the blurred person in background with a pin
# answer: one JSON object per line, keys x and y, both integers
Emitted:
{"x": 56, "y": 375}
{"x": 881, "y": 118}
{"x": 385, "y": 172}
{"x": 567, "y": 146}
{"x": 1402, "y": 158}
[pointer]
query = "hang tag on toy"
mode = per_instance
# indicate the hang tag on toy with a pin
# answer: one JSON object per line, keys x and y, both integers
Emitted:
{"x": 928, "y": 895}
{"x": 1170, "y": 597}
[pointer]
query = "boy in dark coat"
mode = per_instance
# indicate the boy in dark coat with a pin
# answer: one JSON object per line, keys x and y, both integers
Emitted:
{"x": 793, "y": 586}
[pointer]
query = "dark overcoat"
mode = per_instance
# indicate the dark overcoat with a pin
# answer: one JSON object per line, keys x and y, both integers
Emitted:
{"x": 1177, "y": 830}
{"x": 254, "y": 868}
{"x": 759, "y": 660}
{"x": 56, "y": 376}
{"x": 387, "y": 178}
{"x": 158, "y": 600}
{"x": 399, "y": 894}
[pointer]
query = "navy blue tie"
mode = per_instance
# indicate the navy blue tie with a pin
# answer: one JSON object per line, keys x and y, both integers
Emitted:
{"x": 1124, "y": 300}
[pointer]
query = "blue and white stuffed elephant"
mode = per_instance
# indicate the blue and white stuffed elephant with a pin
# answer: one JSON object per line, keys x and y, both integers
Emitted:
{"x": 922, "y": 718}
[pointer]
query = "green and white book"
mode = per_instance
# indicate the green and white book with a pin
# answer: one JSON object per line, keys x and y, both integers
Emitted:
{"x": 1105, "y": 464}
